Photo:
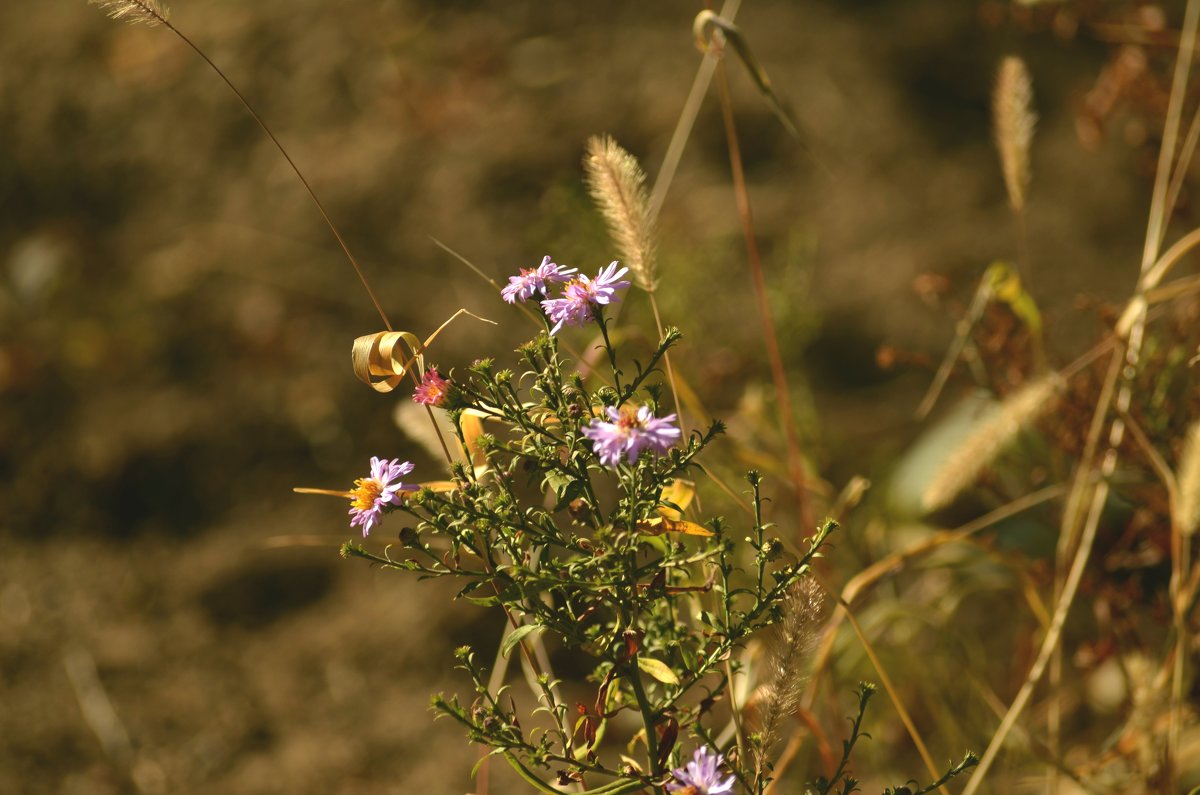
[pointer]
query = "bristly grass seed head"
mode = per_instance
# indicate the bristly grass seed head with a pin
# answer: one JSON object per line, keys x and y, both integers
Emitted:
{"x": 1014, "y": 119}
{"x": 1188, "y": 479}
{"x": 618, "y": 186}
{"x": 988, "y": 440}
{"x": 146, "y": 12}
{"x": 798, "y": 634}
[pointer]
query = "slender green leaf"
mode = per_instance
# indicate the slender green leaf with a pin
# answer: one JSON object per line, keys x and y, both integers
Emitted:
{"x": 514, "y": 637}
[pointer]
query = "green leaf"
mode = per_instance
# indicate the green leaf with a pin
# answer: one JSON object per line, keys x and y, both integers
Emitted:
{"x": 689, "y": 658}
{"x": 529, "y": 776}
{"x": 484, "y": 758}
{"x": 572, "y": 491}
{"x": 557, "y": 479}
{"x": 658, "y": 670}
{"x": 514, "y": 637}
{"x": 659, "y": 544}
{"x": 483, "y": 601}
{"x": 1005, "y": 285}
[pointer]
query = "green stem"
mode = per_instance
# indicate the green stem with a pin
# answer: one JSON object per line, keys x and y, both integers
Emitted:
{"x": 639, "y": 692}
{"x": 612, "y": 353}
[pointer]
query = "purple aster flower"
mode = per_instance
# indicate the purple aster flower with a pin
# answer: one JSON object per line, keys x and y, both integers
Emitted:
{"x": 372, "y": 494}
{"x": 573, "y": 309}
{"x": 432, "y": 390}
{"x": 582, "y": 296}
{"x": 700, "y": 776}
{"x": 628, "y": 433}
{"x": 534, "y": 281}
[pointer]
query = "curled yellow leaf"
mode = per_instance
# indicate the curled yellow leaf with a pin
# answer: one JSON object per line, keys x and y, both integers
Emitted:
{"x": 381, "y": 360}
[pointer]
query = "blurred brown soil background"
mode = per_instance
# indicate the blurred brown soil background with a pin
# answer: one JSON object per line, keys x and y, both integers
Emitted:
{"x": 175, "y": 322}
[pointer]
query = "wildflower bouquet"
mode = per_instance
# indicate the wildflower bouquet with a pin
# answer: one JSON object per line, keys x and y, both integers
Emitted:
{"x": 566, "y": 514}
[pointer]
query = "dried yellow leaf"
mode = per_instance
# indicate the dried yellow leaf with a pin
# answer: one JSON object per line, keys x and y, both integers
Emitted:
{"x": 658, "y": 670}
{"x": 662, "y": 524}
{"x": 678, "y": 492}
{"x": 380, "y": 362}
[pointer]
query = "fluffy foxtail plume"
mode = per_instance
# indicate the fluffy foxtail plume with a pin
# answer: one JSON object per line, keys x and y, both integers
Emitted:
{"x": 1012, "y": 109}
{"x": 1189, "y": 482}
{"x": 988, "y": 439}
{"x": 797, "y": 638}
{"x": 618, "y": 186}
{"x": 147, "y": 12}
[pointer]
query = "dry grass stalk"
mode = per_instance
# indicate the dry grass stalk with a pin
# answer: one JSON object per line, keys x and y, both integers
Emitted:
{"x": 798, "y": 635}
{"x": 1188, "y": 479}
{"x": 147, "y": 12}
{"x": 152, "y": 12}
{"x": 618, "y": 186}
{"x": 1013, "y": 115}
{"x": 1147, "y": 701}
{"x": 988, "y": 439}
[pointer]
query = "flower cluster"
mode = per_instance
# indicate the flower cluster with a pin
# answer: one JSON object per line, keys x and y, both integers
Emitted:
{"x": 550, "y": 424}
{"x": 623, "y": 438}
{"x": 581, "y": 298}
{"x": 627, "y": 433}
{"x": 372, "y": 494}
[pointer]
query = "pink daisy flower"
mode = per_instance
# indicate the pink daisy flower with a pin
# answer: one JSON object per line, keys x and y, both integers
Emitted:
{"x": 432, "y": 390}
{"x": 628, "y": 433}
{"x": 371, "y": 495}
{"x": 583, "y": 296}
{"x": 534, "y": 281}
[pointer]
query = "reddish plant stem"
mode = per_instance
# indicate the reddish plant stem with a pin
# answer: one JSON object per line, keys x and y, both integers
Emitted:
{"x": 778, "y": 374}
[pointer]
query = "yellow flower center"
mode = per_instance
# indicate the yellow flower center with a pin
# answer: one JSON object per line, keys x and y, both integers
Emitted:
{"x": 628, "y": 420}
{"x": 366, "y": 491}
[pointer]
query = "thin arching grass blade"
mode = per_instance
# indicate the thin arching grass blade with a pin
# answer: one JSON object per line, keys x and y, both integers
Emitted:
{"x": 708, "y": 24}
